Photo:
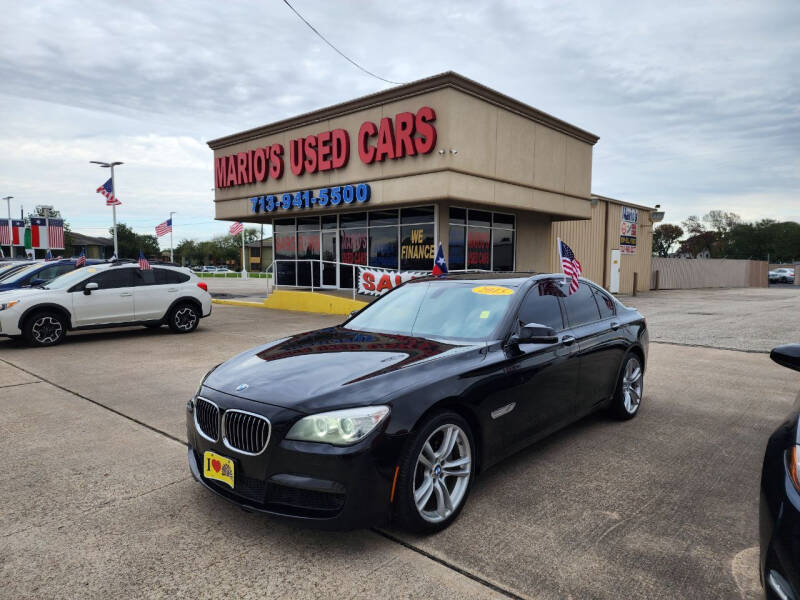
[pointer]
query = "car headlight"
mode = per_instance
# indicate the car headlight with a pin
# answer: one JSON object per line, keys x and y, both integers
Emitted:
{"x": 6, "y": 305}
{"x": 203, "y": 380}
{"x": 793, "y": 466}
{"x": 339, "y": 427}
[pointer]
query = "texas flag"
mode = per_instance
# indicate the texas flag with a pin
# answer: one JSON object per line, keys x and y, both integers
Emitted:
{"x": 18, "y": 232}
{"x": 439, "y": 263}
{"x": 39, "y": 234}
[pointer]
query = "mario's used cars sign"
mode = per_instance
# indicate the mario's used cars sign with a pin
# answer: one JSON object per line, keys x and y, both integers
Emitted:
{"x": 376, "y": 282}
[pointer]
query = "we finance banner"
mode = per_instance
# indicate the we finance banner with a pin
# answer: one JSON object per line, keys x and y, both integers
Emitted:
{"x": 376, "y": 282}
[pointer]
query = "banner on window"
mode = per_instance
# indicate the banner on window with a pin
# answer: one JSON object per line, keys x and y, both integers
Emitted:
{"x": 376, "y": 282}
{"x": 627, "y": 232}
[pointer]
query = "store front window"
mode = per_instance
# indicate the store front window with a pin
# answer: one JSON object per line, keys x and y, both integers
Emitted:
{"x": 480, "y": 240}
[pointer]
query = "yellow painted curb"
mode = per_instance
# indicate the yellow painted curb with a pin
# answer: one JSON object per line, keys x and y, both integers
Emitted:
{"x": 238, "y": 303}
{"x": 312, "y": 302}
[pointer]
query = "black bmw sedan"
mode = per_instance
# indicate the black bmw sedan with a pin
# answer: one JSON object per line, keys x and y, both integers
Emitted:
{"x": 392, "y": 414}
{"x": 780, "y": 498}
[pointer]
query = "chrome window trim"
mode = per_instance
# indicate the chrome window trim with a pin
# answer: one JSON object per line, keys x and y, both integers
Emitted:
{"x": 244, "y": 412}
{"x": 197, "y": 425}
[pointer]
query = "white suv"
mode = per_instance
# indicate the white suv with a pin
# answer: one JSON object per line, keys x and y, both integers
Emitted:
{"x": 107, "y": 295}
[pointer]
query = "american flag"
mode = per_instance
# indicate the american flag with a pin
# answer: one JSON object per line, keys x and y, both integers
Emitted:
{"x": 164, "y": 228}
{"x": 107, "y": 189}
{"x": 236, "y": 228}
{"x": 143, "y": 264}
{"x": 81, "y": 262}
{"x": 56, "y": 233}
{"x": 570, "y": 266}
{"x": 5, "y": 234}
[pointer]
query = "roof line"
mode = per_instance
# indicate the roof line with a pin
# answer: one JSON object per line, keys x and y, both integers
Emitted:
{"x": 448, "y": 79}
{"x": 623, "y": 202}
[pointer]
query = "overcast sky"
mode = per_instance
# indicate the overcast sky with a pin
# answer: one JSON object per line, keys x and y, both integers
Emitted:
{"x": 697, "y": 104}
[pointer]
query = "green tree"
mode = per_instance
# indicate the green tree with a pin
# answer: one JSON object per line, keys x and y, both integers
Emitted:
{"x": 130, "y": 243}
{"x": 664, "y": 238}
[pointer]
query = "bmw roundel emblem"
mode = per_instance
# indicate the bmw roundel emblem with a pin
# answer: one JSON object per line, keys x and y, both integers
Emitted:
{"x": 242, "y": 387}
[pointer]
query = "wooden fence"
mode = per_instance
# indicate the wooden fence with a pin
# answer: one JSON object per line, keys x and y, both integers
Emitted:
{"x": 682, "y": 273}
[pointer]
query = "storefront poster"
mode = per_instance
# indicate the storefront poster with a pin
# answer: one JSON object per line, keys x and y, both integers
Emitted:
{"x": 354, "y": 246}
{"x": 376, "y": 282}
{"x": 627, "y": 232}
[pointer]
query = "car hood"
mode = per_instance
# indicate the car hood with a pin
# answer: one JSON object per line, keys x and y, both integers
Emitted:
{"x": 332, "y": 367}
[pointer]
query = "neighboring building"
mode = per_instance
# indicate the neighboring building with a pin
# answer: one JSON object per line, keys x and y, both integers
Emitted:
{"x": 382, "y": 179}
{"x": 95, "y": 247}
{"x": 259, "y": 254}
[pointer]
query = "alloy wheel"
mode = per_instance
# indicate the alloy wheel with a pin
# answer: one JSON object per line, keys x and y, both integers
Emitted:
{"x": 442, "y": 473}
{"x": 47, "y": 330}
{"x": 185, "y": 318}
{"x": 632, "y": 385}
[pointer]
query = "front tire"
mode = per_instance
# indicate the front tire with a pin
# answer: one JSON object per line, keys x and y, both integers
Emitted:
{"x": 184, "y": 318}
{"x": 630, "y": 389}
{"x": 436, "y": 473}
{"x": 44, "y": 329}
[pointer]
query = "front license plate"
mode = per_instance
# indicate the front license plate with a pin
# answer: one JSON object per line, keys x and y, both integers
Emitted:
{"x": 217, "y": 467}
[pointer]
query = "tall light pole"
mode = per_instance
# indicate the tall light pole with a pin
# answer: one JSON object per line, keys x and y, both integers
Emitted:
{"x": 172, "y": 226}
{"x": 10, "y": 237}
{"x": 111, "y": 165}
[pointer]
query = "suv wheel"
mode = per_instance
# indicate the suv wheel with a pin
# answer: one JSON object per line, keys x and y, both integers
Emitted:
{"x": 184, "y": 318}
{"x": 436, "y": 473}
{"x": 44, "y": 329}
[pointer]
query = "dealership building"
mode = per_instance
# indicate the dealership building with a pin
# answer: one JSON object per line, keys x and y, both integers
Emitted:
{"x": 376, "y": 183}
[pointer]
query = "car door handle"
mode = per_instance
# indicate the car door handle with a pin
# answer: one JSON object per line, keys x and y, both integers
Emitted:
{"x": 124, "y": 294}
{"x": 567, "y": 340}
{"x": 614, "y": 325}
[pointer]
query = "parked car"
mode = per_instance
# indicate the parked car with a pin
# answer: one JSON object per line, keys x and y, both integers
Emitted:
{"x": 224, "y": 270}
{"x": 781, "y": 275}
{"x": 40, "y": 273}
{"x": 105, "y": 295}
{"x": 779, "y": 506}
{"x": 392, "y": 414}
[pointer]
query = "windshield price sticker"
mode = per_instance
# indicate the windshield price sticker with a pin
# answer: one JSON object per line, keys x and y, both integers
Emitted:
{"x": 493, "y": 290}
{"x": 329, "y": 196}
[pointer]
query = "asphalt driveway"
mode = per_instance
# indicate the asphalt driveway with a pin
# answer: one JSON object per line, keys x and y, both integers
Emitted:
{"x": 100, "y": 502}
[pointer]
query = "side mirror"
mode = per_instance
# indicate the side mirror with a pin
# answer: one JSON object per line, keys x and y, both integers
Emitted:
{"x": 787, "y": 356}
{"x": 534, "y": 333}
{"x": 352, "y": 314}
{"x": 87, "y": 290}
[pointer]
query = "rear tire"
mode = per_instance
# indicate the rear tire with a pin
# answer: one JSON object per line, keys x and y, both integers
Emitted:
{"x": 436, "y": 473}
{"x": 44, "y": 329}
{"x": 184, "y": 318}
{"x": 630, "y": 389}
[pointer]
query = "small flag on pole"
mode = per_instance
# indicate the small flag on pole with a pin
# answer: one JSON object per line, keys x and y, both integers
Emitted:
{"x": 48, "y": 257}
{"x": 107, "y": 189}
{"x": 164, "y": 228}
{"x": 570, "y": 266}
{"x": 236, "y": 228}
{"x": 113, "y": 257}
{"x": 81, "y": 262}
{"x": 143, "y": 264}
{"x": 439, "y": 263}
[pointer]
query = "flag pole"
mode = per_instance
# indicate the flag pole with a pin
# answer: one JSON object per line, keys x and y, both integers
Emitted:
{"x": 10, "y": 231}
{"x": 114, "y": 211}
{"x": 171, "y": 227}
{"x": 244, "y": 269}
{"x": 561, "y": 264}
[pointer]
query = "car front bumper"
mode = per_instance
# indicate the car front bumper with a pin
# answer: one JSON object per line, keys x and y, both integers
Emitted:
{"x": 320, "y": 485}
{"x": 9, "y": 322}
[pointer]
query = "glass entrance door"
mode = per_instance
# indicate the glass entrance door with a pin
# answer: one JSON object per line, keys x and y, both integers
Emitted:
{"x": 330, "y": 258}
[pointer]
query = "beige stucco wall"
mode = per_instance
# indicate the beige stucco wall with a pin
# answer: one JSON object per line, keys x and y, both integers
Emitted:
{"x": 502, "y": 159}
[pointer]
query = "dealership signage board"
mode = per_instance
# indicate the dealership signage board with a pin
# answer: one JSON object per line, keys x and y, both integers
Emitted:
{"x": 627, "y": 232}
{"x": 376, "y": 282}
{"x": 324, "y": 197}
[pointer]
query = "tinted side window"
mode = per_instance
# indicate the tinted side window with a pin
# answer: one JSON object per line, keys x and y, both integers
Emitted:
{"x": 52, "y": 272}
{"x": 581, "y": 307}
{"x": 167, "y": 276}
{"x": 113, "y": 278}
{"x": 145, "y": 277}
{"x": 541, "y": 306}
{"x": 605, "y": 304}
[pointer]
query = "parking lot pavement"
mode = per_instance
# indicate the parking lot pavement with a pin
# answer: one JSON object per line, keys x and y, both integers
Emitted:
{"x": 96, "y": 506}
{"x": 750, "y": 319}
{"x": 663, "y": 506}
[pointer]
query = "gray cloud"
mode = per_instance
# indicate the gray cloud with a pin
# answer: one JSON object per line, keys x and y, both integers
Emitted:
{"x": 696, "y": 103}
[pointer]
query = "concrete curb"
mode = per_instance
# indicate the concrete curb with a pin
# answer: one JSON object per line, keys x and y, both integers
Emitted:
{"x": 238, "y": 303}
{"x": 301, "y": 302}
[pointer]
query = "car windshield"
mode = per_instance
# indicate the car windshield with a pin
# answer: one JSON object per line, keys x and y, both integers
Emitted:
{"x": 69, "y": 279}
{"x": 438, "y": 309}
{"x": 20, "y": 273}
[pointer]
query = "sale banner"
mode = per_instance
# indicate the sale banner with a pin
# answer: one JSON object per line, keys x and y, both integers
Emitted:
{"x": 376, "y": 282}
